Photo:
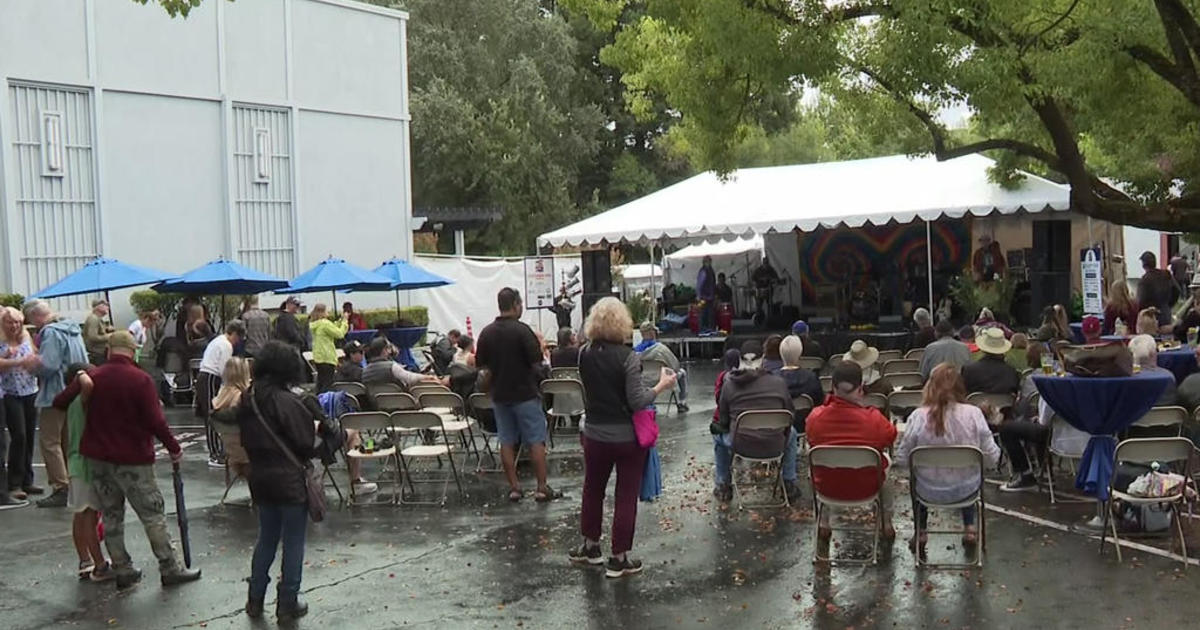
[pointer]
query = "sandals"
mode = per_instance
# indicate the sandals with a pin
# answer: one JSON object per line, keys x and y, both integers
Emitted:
{"x": 547, "y": 494}
{"x": 515, "y": 496}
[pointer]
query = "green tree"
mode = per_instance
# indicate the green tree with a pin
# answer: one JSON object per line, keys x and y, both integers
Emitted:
{"x": 176, "y": 8}
{"x": 1089, "y": 92}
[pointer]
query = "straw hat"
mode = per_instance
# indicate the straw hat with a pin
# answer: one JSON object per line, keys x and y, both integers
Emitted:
{"x": 992, "y": 341}
{"x": 862, "y": 354}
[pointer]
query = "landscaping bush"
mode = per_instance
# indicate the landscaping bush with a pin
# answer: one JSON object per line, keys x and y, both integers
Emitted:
{"x": 387, "y": 317}
{"x": 147, "y": 300}
{"x": 15, "y": 300}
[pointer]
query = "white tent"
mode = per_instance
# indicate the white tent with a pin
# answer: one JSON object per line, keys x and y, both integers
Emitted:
{"x": 720, "y": 248}
{"x": 752, "y": 201}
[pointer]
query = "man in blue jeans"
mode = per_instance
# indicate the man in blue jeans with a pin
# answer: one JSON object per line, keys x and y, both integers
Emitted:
{"x": 514, "y": 358}
{"x": 749, "y": 388}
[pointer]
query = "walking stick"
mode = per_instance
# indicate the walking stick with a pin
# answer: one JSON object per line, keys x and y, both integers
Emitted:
{"x": 181, "y": 515}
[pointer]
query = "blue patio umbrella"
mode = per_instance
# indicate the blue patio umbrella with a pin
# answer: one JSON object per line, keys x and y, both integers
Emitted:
{"x": 406, "y": 276}
{"x": 101, "y": 276}
{"x": 335, "y": 274}
{"x": 221, "y": 277}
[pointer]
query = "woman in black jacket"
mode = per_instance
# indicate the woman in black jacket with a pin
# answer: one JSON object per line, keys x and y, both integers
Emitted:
{"x": 277, "y": 484}
{"x": 612, "y": 379}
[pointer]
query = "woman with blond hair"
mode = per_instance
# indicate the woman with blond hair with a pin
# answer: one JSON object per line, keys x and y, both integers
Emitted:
{"x": 945, "y": 419}
{"x": 612, "y": 376}
{"x": 325, "y": 333}
{"x": 1120, "y": 305}
{"x": 20, "y": 387}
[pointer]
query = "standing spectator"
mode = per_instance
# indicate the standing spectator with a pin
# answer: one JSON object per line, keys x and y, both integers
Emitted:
{"x": 1120, "y": 306}
{"x": 60, "y": 344}
{"x": 706, "y": 291}
{"x": 925, "y": 333}
{"x": 510, "y": 352}
{"x": 946, "y": 349}
{"x": 123, "y": 418}
{"x": 990, "y": 373}
{"x": 287, "y": 327}
{"x": 800, "y": 382}
{"x": 258, "y": 326}
{"x": 96, "y": 332}
{"x": 20, "y": 389}
{"x": 353, "y": 318}
{"x": 652, "y": 349}
{"x": 772, "y": 361}
{"x": 1156, "y": 288}
{"x": 567, "y": 352}
{"x": 811, "y": 347}
{"x": 350, "y": 368}
{"x": 197, "y": 331}
{"x": 212, "y": 366}
{"x": 749, "y": 388}
{"x": 845, "y": 420}
{"x": 612, "y": 376}
{"x": 944, "y": 419}
{"x": 325, "y": 334}
{"x": 82, "y": 500}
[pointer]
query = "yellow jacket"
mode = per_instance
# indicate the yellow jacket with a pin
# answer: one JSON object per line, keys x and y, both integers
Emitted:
{"x": 324, "y": 333}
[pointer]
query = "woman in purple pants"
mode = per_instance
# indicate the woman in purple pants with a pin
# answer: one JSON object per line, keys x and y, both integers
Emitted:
{"x": 612, "y": 377}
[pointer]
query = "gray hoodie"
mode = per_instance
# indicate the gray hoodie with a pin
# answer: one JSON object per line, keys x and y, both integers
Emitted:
{"x": 60, "y": 345}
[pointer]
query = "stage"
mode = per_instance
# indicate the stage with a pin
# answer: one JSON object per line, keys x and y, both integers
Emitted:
{"x": 688, "y": 345}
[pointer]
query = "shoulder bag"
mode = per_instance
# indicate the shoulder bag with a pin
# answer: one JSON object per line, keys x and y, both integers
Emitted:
{"x": 312, "y": 480}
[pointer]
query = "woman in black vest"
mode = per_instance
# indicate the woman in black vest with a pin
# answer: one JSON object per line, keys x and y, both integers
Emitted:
{"x": 612, "y": 379}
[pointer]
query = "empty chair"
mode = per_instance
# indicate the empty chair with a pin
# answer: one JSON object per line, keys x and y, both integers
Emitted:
{"x": 565, "y": 372}
{"x": 916, "y": 354}
{"x": 454, "y": 416}
{"x": 896, "y": 366}
{"x": 906, "y": 380}
{"x": 890, "y": 355}
{"x": 1058, "y": 447}
{"x": 878, "y": 401}
{"x": 415, "y": 421}
{"x": 373, "y": 425}
{"x": 750, "y": 444}
{"x": 902, "y": 403}
{"x": 828, "y": 458}
{"x": 479, "y": 408}
{"x": 566, "y": 400}
{"x": 815, "y": 364}
{"x": 834, "y": 360}
{"x": 1161, "y": 421}
{"x": 396, "y": 402}
{"x": 936, "y": 460}
{"x": 1173, "y": 451}
{"x": 358, "y": 390}
{"x": 827, "y": 383}
{"x": 417, "y": 390}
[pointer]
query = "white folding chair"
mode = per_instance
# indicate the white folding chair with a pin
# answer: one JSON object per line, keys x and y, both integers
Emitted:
{"x": 651, "y": 369}
{"x": 1170, "y": 450}
{"x": 479, "y": 407}
{"x": 762, "y": 423}
{"x": 901, "y": 404}
{"x": 878, "y": 401}
{"x": 450, "y": 407}
{"x": 802, "y": 403}
{"x": 423, "y": 388}
{"x": 846, "y": 458}
{"x": 815, "y": 364}
{"x": 826, "y": 383}
{"x": 425, "y": 421}
{"x": 948, "y": 457}
{"x": 565, "y": 372}
{"x": 566, "y": 400}
{"x": 358, "y": 390}
{"x": 897, "y": 366}
{"x": 889, "y": 355}
{"x": 915, "y": 353}
{"x": 1171, "y": 417}
{"x": 373, "y": 425}
{"x": 906, "y": 380}
{"x": 1057, "y": 424}
{"x": 237, "y": 462}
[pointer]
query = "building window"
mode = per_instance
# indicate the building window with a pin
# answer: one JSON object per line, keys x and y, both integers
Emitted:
{"x": 52, "y": 144}
{"x": 262, "y": 155}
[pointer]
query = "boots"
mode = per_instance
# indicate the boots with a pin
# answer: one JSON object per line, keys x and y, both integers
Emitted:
{"x": 290, "y": 607}
{"x": 254, "y": 605}
{"x": 179, "y": 575}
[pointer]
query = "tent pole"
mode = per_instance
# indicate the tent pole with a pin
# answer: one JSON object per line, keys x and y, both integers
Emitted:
{"x": 929, "y": 264}
{"x": 653, "y": 294}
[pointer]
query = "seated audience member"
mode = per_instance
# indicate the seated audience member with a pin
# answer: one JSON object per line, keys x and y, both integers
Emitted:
{"x": 567, "y": 352}
{"x": 844, "y": 420}
{"x": 749, "y": 388}
{"x": 925, "y": 333}
{"x": 729, "y": 363}
{"x": 443, "y": 351}
{"x": 382, "y": 368}
{"x": 800, "y": 382}
{"x": 350, "y": 366}
{"x": 966, "y": 334}
{"x": 1091, "y": 329}
{"x": 1147, "y": 322}
{"x": 945, "y": 419}
{"x": 1033, "y": 427}
{"x": 1189, "y": 319}
{"x": 1188, "y": 393}
{"x": 987, "y": 320}
{"x": 652, "y": 349}
{"x": 1055, "y": 326}
{"x": 1145, "y": 353}
{"x": 867, "y": 358}
{"x": 1016, "y": 357}
{"x": 811, "y": 347}
{"x": 946, "y": 349}
{"x": 772, "y": 361}
{"x": 466, "y": 351}
{"x": 990, "y": 373}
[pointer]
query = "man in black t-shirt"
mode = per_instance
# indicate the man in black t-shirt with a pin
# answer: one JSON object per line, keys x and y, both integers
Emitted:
{"x": 1155, "y": 289}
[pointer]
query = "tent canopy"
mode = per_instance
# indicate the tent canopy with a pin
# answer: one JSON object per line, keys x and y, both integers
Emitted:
{"x": 873, "y": 191}
{"x": 641, "y": 271}
{"x": 720, "y": 248}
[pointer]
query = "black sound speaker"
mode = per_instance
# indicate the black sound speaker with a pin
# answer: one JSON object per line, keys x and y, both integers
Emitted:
{"x": 1049, "y": 287}
{"x": 596, "y": 274}
{"x": 1051, "y": 248}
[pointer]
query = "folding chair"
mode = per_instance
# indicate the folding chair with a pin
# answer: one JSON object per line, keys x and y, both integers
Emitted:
{"x": 915, "y": 353}
{"x": 815, "y": 364}
{"x": 177, "y": 375}
{"x": 237, "y": 462}
{"x": 1058, "y": 424}
{"x": 650, "y": 371}
{"x": 1000, "y": 403}
{"x": 834, "y": 360}
{"x": 952, "y": 457}
{"x": 826, "y": 383}
{"x": 372, "y": 425}
{"x": 802, "y": 403}
{"x": 1163, "y": 417}
{"x": 901, "y": 404}
{"x": 890, "y": 355}
{"x": 566, "y": 402}
{"x": 390, "y": 402}
{"x": 762, "y": 422}
{"x": 453, "y": 412}
{"x": 851, "y": 458}
{"x": 416, "y": 421}
{"x": 422, "y": 388}
{"x": 906, "y": 380}
{"x": 375, "y": 389}
{"x": 194, "y": 375}
{"x": 1147, "y": 451}
{"x": 878, "y": 401}
{"x": 479, "y": 407}
{"x": 358, "y": 390}
{"x": 312, "y": 367}
{"x": 565, "y": 372}
{"x": 897, "y": 366}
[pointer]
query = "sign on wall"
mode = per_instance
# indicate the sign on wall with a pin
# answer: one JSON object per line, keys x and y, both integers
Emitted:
{"x": 1091, "y": 273}
{"x": 539, "y": 282}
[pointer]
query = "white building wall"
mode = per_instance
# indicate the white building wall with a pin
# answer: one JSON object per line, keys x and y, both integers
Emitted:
{"x": 169, "y": 192}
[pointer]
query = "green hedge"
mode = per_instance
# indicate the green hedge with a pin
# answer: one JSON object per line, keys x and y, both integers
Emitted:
{"x": 168, "y": 304}
{"x": 15, "y": 300}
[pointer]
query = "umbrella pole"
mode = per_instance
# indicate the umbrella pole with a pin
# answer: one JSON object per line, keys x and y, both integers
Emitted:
{"x": 397, "y": 306}
{"x": 222, "y": 311}
{"x": 112, "y": 322}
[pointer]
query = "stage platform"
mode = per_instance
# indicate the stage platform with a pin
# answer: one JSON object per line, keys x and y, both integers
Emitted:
{"x": 688, "y": 345}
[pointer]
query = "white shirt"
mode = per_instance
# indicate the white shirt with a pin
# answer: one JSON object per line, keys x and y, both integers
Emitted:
{"x": 216, "y": 355}
{"x": 138, "y": 331}
{"x": 1065, "y": 439}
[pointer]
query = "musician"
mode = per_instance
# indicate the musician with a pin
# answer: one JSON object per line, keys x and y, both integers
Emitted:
{"x": 764, "y": 278}
{"x": 706, "y": 290}
{"x": 724, "y": 291}
{"x": 563, "y": 305}
{"x": 988, "y": 261}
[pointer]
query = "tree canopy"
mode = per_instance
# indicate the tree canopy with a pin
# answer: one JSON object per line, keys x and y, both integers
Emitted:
{"x": 1103, "y": 95}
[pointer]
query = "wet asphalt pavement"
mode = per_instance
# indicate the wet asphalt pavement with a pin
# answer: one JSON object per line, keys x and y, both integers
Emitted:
{"x": 481, "y": 562}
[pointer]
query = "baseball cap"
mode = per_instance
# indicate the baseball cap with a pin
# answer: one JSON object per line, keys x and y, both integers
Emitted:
{"x": 352, "y": 347}
{"x": 847, "y": 373}
{"x": 121, "y": 339}
{"x": 751, "y": 349}
{"x": 800, "y": 328}
{"x": 1091, "y": 325}
{"x": 98, "y": 302}
{"x": 291, "y": 299}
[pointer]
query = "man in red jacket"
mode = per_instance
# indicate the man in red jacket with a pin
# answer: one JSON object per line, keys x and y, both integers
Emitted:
{"x": 845, "y": 421}
{"x": 123, "y": 418}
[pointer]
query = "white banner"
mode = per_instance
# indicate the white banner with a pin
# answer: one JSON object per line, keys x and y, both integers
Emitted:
{"x": 1091, "y": 273}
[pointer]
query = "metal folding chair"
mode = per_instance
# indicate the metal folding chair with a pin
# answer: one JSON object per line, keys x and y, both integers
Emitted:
{"x": 423, "y": 388}
{"x": 565, "y": 372}
{"x": 1148, "y": 451}
{"x": 479, "y": 407}
{"x": 906, "y": 380}
{"x": 889, "y": 355}
{"x": 425, "y": 421}
{"x": 953, "y": 457}
{"x": 846, "y": 458}
{"x": 453, "y": 411}
{"x": 802, "y": 403}
{"x": 1163, "y": 417}
{"x": 815, "y": 364}
{"x": 834, "y": 360}
{"x": 566, "y": 401}
{"x": 651, "y": 368}
{"x": 763, "y": 422}
{"x": 897, "y": 366}
{"x": 901, "y": 404}
{"x": 373, "y": 425}
{"x": 878, "y": 401}
{"x": 826, "y": 383}
{"x": 358, "y": 390}
{"x": 1058, "y": 424}
{"x": 915, "y": 353}
{"x": 237, "y": 462}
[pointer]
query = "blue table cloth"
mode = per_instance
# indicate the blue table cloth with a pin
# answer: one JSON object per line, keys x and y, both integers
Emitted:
{"x": 1181, "y": 362}
{"x": 1101, "y": 407}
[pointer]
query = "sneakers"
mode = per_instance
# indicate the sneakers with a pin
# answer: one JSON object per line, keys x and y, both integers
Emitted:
{"x": 587, "y": 554}
{"x": 216, "y": 464}
{"x": 180, "y": 575}
{"x": 56, "y": 500}
{"x": 682, "y": 407}
{"x": 10, "y": 502}
{"x": 18, "y": 494}
{"x": 103, "y": 574}
{"x": 620, "y": 568}
{"x": 1020, "y": 483}
{"x": 32, "y": 489}
{"x": 362, "y": 486}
